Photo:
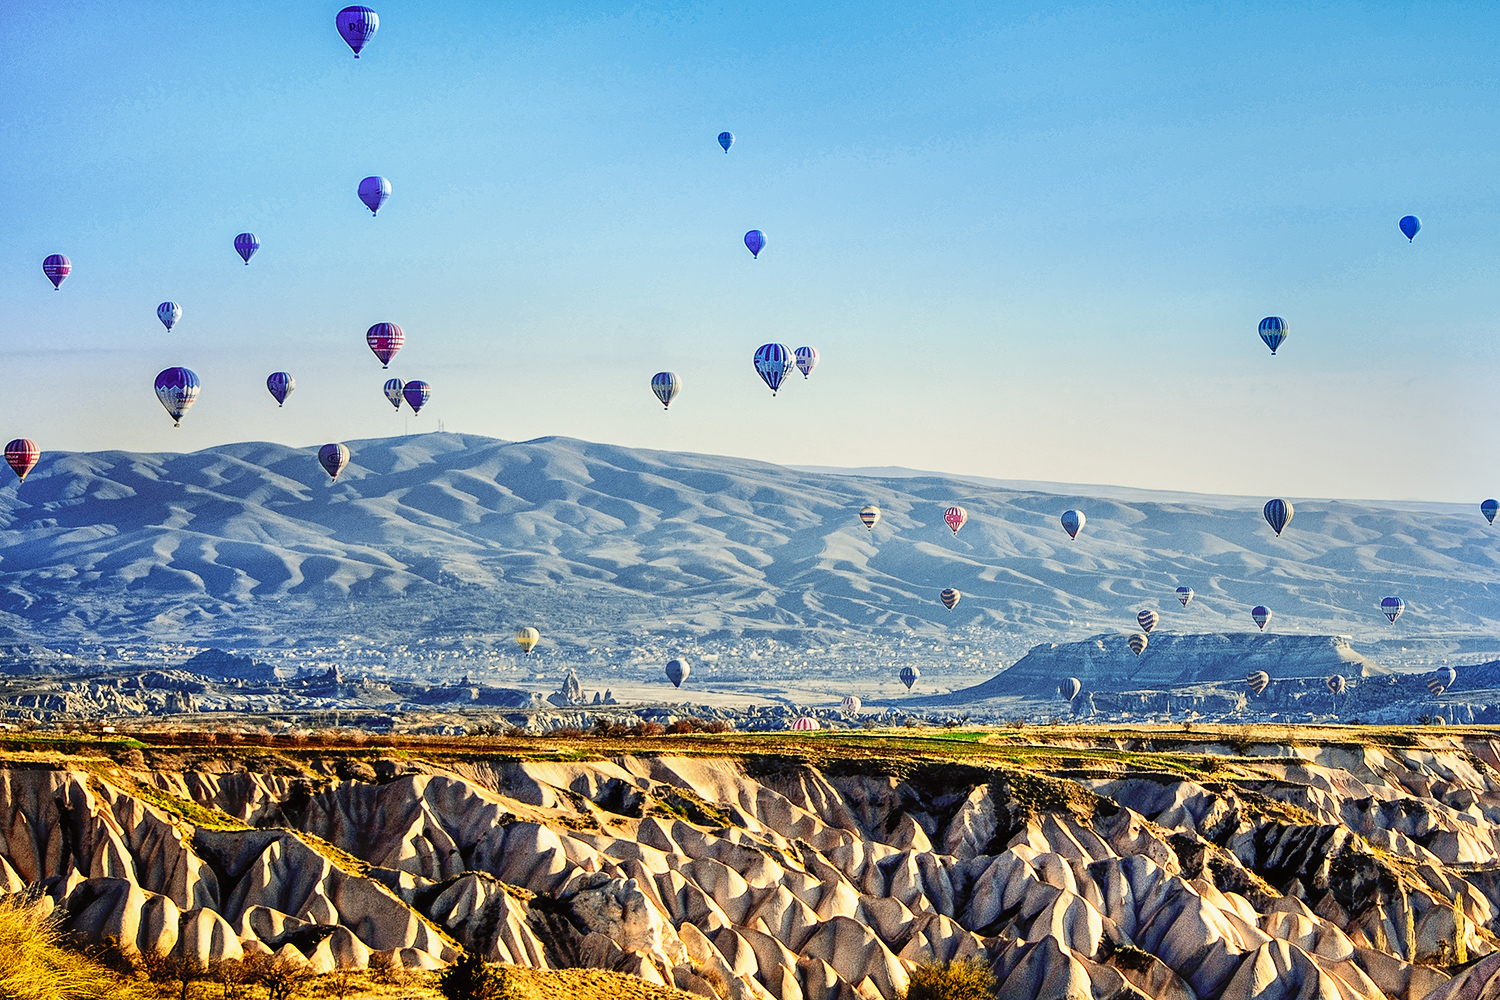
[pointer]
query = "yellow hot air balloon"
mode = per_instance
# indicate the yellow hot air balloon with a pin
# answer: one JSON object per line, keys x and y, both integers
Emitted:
{"x": 528, "y": 638}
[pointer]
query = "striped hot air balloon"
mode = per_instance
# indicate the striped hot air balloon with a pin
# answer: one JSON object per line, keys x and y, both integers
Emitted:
{"x": 1273, "y": 330}
{"x": 1072, "y": 522}
{"x": 385, "y": 339}
{"x": 527, "y": 638}
{"x": 910, "y": 676}
{"x": 1392, "y": 607}
{"x": 21, "y": 455}
{"x": 394, "y": 388}
{"x": 245, "y": 244}
{"x": 57, "y": 268}
{"x": 807, "y": 360}
{"x": 1336, "y": 684}
{"x": 357, "y": 25}
{"x": 280, "y": 385}
{"x": 1138, "y": 642}
{"x": 851, "y": 704}
{"x": 1069, "y": 688}
{"x": 1489, "y": 508}
{"x": 1257, "y": 681}
{"x": 677, "y": 671}
{"x": 869, "y": 515}
{"x": 1260, "y": 614}
{"x": 1278, "y": 515}
{"x": 726, "y": 139}
{"x": 955, "y": 518}
{"x": 806, "y": 724}
{"x": 1185, "y": 595}
{"x": 1147, "y": 620}
{"x": 177, "y": 388}
{"x": 169, "y": 313}
{"x": 772, "y": 363}
{"x": 950, "y": 598}
{"x": 416, "y": 393}
{"x": 1436, "y": 686}
{"x": 333, "y": 458}
{"x": 666, "y": 385}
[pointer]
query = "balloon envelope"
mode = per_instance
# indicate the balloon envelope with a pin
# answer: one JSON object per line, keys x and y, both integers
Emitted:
{"x": 357, "y": 25}
{"x": 416, "y": 393}
{"x": 527, "y": 638}
{"x": 1261, "y": 615}
{"x": 1273, "y": 330}
{"x": 1069, "y": 688}
{"x": 177, "y": 388}
{"x": 1436, "y": 686}
{"x": 1257, "y": 681}
{"x": 807, "y": 360}
{"x": 374, "y": 191}
{"x": 1488, "y": 509}
{"x": 169, "y": 313}
{"x": 726, "y": 139}
{"x": 1147, "y": 619}
{"x": 245, "y": 244}
{"x": 950, "y": 598}
{"x": 280, "y": 385}
{"x": 1392, "y": 608}
{"x": 755, "y": 242}
{"x": 1410, "y": 227}
{"x": 1448, "y": 675}
{"x": 955, "y": 518}
{"x": 851, "y": 704}
{"x": 1138, "y": 643}
{"x": 1278, "y": 515}
{"x": 393, "y": 390}
{"x": 1185, "y": 595}
{"x": 869, "y": 515}
{"x": 1072, "y": 522}
{"x": 333, "y": 458}
{"x": 57, "y": 268}
{"x": 910, "y": 676}
{"x": 772, "y": 363}
{"x": 22, "y": 455}
{"x": 805, "y": 724}
{"x": 385, "y": 339}
{"x": 666, "y": 385}
{"x": 677, "y": 671}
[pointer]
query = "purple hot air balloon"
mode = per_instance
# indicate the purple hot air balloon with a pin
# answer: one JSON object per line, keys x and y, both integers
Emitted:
{"x": 281, "y": 385}
{"x": 57, "y": 268}
{"x": 177, "y": 388}
{"x": 358, "y": 25}
{"x": 755, "y": 242}
{"x": 333, "y": 458}
{"x": 245, "y": 244}
{"x": 374, "y": 191}
{"x": 417, "y": 393}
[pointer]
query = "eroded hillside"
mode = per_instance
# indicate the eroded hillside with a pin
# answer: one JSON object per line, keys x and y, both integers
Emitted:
{"x": 1353, "y": 863}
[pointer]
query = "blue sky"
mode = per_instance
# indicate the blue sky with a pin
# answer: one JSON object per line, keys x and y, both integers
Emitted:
{"x": 1030, "y": 243}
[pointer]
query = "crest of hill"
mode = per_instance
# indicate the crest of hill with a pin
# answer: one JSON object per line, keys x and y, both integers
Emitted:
{"x": 1105, "y": 663}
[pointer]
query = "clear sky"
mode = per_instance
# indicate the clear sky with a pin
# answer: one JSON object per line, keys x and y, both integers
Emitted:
{"x": 1029, "y": 243}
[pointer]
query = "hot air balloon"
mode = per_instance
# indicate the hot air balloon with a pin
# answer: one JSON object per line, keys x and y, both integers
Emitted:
{"x": 955, "y": 518}
{"x": 851, "y": 704}
{"x": 726, "y": 139}
{"x": 281, "y": 385}
{"x": 1336, "y": 684}
{"x": 1410, "y": 227}
{"x": 1069, "y": 688}
{"x": 805, "y": 724}
{"x": 950, "y": 598}
{"x": 1448, "y": 675}
{"x": 1273, "y": 330}
{"x": 527, "y": 638}
{"x": 807, "y": 360}
{"x": 1437, "y": 720}
{"x": 1261, "y": 614}
{"x": 245, "y": 244}
{"x": 773, "y": 362}
{"x": 1436, "y": 686}
{"x": 1072, "y": 522}
{"x": 910, "y": 676}
{"x": 755, "y": 242}
{"x": 416, "y": 393}
{"x": 1257, "y": 681}
{"x": 373, "y": 191}
{"x": 677, "y": 671}
{"x": 393, "y": 389}
{"x": 357, "y": 25}
{"x": 1185, "y": 595}
{"x": 666, "y": 385}
{"x": 1488, "y": 509}
{"x": 169, "y": 313}
{"x": 22, "y": 455}
{"x": 869, "y": 515}
{"x": 1138, "y": 642}
{"x": 1392, "y": 608}
{"x": 177, "y": 388}
{"x": 385, "y": 339}
{"x": 57, "y": 268}
{"x": 1278, "y": 515}
{"x": 333, "y": 458}
{"x": 1147, "y": 620}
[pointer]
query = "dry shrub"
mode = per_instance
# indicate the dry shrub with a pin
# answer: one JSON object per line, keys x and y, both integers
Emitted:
{"x": 472, "y": 978}
{"x": 35, "y": 966}
{"x": 966, "y": 980}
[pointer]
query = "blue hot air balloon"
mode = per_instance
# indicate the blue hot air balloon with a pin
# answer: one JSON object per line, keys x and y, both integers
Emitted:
{"x": 373, "y": 191}
{"x": 773, "y": 362}
{"x": 678, "y": 671}
{"x": 281, "y": 385}
{"x": 169, "y": 313}
{"x": 1278, "y": 515}
{"x": 1273, "y": 331}
{"x": 177, "y": 388}
{"x": 416, "y": 393}
{"x": 1489, "y": 509}
{"x": 1072, "y": 522}
{"x": 666, "y": 385}
{"x": 1185, "y": 595}
{"x": 1260, "y": 614}
{"x": 245, "y": 244}
{"x": 910, "y": 676}
{"x": 755, "y": 242}
{"x": 726, "y": 139}
{"x": 1410, "y": 227}
{"x": 1392, "y": 607}
{"x": 393, "y": 391}
{"x": 358, "y": 25}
